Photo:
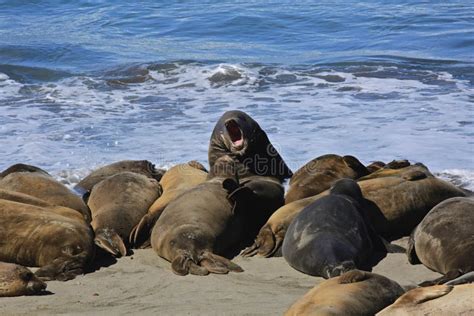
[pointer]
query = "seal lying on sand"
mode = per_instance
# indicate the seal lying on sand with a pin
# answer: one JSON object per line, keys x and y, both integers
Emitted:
{"x": 444, "y": 240}
{"x": 143, "y": 167}
{"x": 353, "y": 293}
{"x": 332, "y": 235}
{"x": 61, "y": 244}
{"x": 38, "y": 183}
{"x": 202, "y": 224}
{"x": 239, "y": 136}
{"x": 117, "y": 204}
{"x": 175, "y": 181}
{"x": 397, "y": 202}
{"x": 320, "y": 173}
{"x": 16, "y": 280}
{"x": 434, "y": 300}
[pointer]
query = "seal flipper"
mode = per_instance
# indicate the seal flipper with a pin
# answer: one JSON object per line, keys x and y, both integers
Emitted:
{"x": 463, "y": 279}
{"x": 60, "y": 269}
{"x": 217, "y": 264}
{"x": 266, "y": 243}
{"x": 180, "y": 265}
{"x": 353, "y": 276}
{"x": 423, "y": 294}
{"x": 140, "y": 233}
{"x": 450, "y": 275}
{"x": 411, "y": 252}
{"x": 110, "y": 241}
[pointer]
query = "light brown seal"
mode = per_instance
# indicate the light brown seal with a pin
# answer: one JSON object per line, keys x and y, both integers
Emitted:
{"x": 16, "y": 280}
{"x": 38, "y": 183}
{"x": 61, "y": 244}
{"x": 353, "y": 293}
{"x": 444, "y": 240}
{"x": 320, "y": 173}
{"x": 201, "y": 225}
{"x": 143, "y": 167}
{"x": 175, "y": 181}
{"x": 117, "y": 204}
{"x": 434, "y": 300}
{"x": 397, "y": 200}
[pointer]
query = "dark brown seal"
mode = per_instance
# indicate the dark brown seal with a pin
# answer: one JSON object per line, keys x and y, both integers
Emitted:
{"x": 444, "y": 240}
{"x": 353, "y": 293}
{"x": 16, "y": 280}
{"x": 61, "y": 244}
{"x": 239, "y": 136}
{"x": 117, "y": 204}
{"x": 38, "y": 183}
{"x": 332, "y": 235}
{"x": 143, "y": 167}
{"x": 320, "y": 173}
{"x": 175, "y": 181}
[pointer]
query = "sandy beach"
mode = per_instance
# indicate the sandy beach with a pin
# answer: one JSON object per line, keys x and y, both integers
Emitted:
{"x": 144, "y": 283}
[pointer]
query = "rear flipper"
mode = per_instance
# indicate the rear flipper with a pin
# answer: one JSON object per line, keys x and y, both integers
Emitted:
{"x": 451, "y": 275}
{"x": 141, "y": 232}
{"x": 61, "y": 269}
{"x": 423, "y": 294}
{"x": 110, "y": 241}
{"x": 208, "y": 263}
{"x": 266, "y": 243}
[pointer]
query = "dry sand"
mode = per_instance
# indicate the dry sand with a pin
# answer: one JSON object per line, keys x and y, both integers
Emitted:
{"x": 143, "y": 283}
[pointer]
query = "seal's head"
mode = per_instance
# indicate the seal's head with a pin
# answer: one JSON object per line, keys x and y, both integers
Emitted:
{"x": 347, "y": 187}
{"x": 238, "y": 131}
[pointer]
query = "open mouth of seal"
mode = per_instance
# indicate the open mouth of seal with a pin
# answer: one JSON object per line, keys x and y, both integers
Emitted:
{"x": 235, "y": 134}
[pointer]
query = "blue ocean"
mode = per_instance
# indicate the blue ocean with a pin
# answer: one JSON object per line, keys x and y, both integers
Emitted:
{"x": 86, "y": 83}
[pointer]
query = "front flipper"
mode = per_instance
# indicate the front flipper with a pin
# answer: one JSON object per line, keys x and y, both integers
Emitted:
{"x": 217, "y": 264}
{"x": 353, "y": 276}
{"x": 331, "y": 271}
{"x": 141, "y": 232}
{"x": 61, "y": 269}
{"x": 266, "y": 243}
{"x": 110, "y": 241}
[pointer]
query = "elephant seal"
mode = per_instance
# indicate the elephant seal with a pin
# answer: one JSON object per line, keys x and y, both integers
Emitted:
{"x": 353, "y": 293}
{"x": 320, "y": 173}
{"x": 62, "y": 246}
{"x": 201, "y": 225}
{"x": 143, "y": 167}
{"x": 396, "y": 203}
{"x": 117, "y": 204}
{"x": 21, "y": 167}
{"x": 332, "y": 235}
{"x": 38, "y": 183}
{"x": 394, "y": 164}
{"x": 239, "y": 136}
{"x": 175, "y": 181}
{"x": 444, "y": 240}
{"x": 16, "y": 280}
{"x": 434, "y": 300}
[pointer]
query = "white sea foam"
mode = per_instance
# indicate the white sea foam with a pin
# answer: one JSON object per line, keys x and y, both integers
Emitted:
{"x": 382, "y": 113}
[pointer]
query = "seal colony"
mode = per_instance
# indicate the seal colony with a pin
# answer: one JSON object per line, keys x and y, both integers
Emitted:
{"x": 336, "y": 220}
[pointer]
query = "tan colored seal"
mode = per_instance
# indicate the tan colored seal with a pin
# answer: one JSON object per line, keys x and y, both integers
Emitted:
{"x": 434, "y": 300}
{"x": 117, "y": 204}
{"x": 16, "y": 280}
{"x": 143, "y": 167}
{"x": 201, "y": 225}
{"x": 39, "y": 237}
{"x": 320, "y": 173}
{"x": 41, "y": 185}
{"x": 353, "y": 293}
{"x": 174, "y": 182}
{"x": 444, "y": 240}
{"x": 397, "y": 201}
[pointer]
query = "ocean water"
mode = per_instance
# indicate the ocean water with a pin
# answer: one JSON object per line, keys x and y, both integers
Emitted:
{"x": 86, "y": 83}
